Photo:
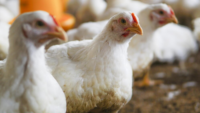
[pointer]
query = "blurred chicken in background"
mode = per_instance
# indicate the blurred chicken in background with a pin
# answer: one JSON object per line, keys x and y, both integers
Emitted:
{"x": 186, "y": 10}
{"x": 8, "y": 9}
{"x": 86, "y": 10}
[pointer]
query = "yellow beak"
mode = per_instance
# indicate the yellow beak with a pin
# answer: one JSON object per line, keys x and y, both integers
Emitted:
{"x": 172, "y": 19}
{"x": 58, "y": 33}
{"x": 135, "y": 29}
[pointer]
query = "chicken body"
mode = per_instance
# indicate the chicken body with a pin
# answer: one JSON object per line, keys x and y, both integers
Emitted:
{"x": 140, "y": 51}
{"x": 95, "y": 79}
{"x": 95, "y": 74}
{"x": 174, "y": 42}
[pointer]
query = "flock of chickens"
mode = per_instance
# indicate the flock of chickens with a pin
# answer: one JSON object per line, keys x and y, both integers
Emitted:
{"x": 94, "y": 71}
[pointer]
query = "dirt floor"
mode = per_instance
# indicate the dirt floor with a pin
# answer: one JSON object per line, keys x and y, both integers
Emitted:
{"x": 180, "y": 92}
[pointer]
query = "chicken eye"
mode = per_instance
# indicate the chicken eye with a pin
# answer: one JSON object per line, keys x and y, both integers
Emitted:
{"x": 123, "y": 21}
{"x": 161, "y": 12}
{"x": 40, "y": 24}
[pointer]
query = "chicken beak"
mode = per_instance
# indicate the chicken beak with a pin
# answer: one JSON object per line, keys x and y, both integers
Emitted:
{"x": 135, "y": 29}
{"x": 172, "y": 19}
{"x": 57, "y": 33}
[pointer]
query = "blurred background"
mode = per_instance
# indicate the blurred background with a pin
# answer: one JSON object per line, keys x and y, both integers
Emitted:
{"x": 180, "y": 91}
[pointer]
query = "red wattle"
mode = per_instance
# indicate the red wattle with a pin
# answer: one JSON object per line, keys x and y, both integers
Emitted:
{"x": 125, "y": 34}
{"x": 161, "y": 22}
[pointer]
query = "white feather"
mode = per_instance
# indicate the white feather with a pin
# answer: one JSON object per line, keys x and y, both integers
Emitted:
{"x": 86, "y": 30}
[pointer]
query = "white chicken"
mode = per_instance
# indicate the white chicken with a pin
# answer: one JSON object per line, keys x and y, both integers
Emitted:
{"x": 140, "y": 51}
{"x": 4, "y": 45}
{"x": 174, "y": 42}
{"x": 95, "y": 74}
{"x": 196, "y": 24}
{"x": 25, "y": 81}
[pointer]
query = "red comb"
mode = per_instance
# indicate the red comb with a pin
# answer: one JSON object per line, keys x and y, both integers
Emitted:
{"x": 134, "y": 18}
{"x": 54, "y": 20}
